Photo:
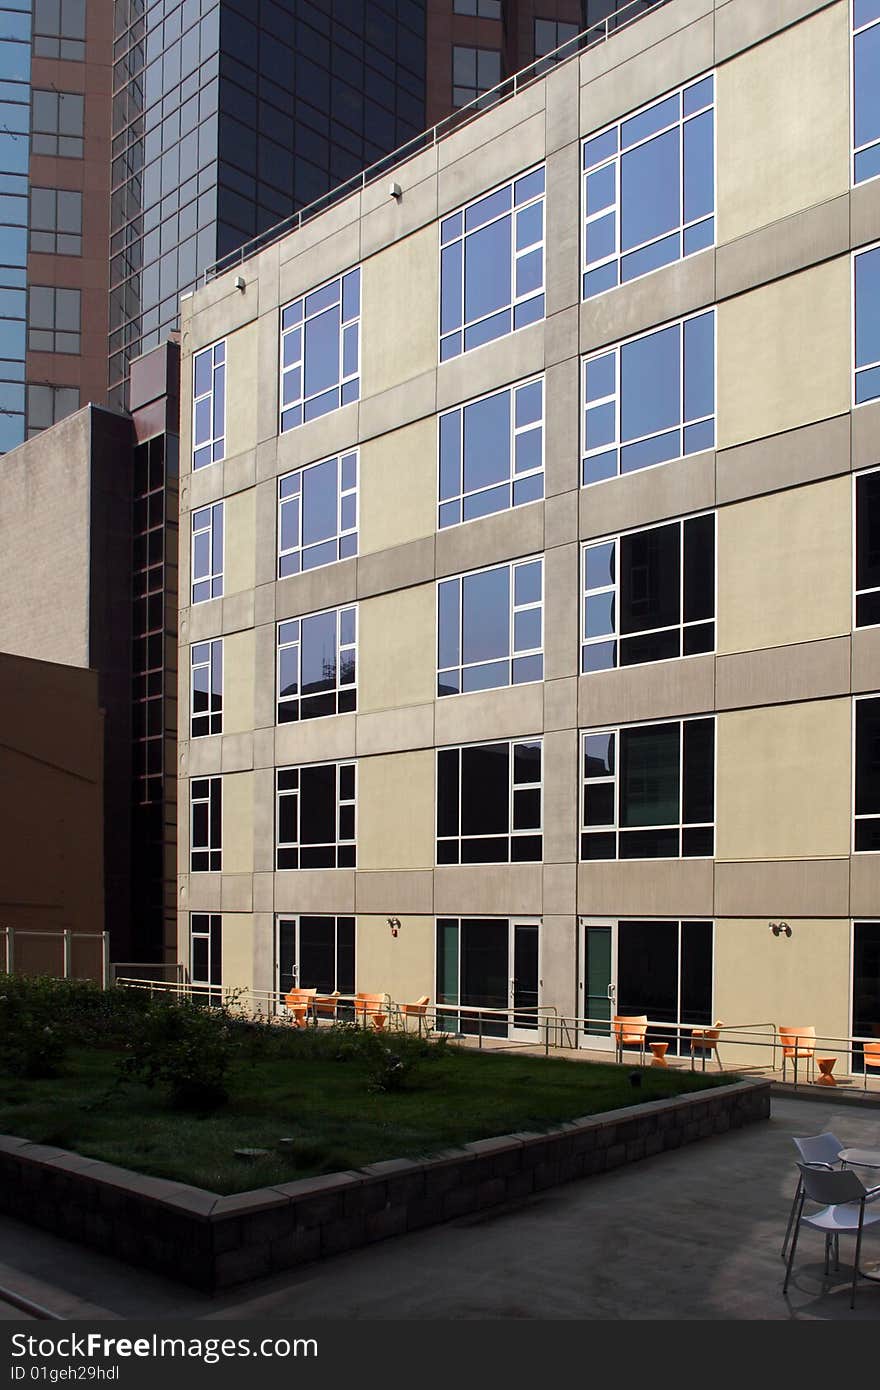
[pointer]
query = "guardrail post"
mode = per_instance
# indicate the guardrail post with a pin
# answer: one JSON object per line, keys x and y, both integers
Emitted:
{"x": 10, "y": 950}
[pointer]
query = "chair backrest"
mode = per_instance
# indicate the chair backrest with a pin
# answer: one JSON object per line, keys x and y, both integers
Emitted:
{"x": 707, "y": 1037}
{"x": 819, "y": 1148}
{"x": 426, "y": 999}
{"x": 832, "y": 1188}
{"x": 630, "y": 1028}
{"x": 802, "y": 1040}
{"x": 299, "y": 996}
{"x": 371, "y": 1000}
{"x": 871, "y": 1054}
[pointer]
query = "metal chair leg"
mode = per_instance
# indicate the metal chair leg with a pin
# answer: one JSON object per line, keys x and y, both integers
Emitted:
{"x": 794, "y": 1203}
{"x": 793, "y": 1247}
{"x": 852, "y": 1297}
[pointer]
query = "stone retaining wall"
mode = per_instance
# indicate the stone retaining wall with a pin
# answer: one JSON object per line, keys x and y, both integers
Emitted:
{"x": 213, "y": 1242}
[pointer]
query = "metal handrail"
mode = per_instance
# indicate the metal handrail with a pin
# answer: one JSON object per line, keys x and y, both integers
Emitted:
{"x": 510, "y": 87}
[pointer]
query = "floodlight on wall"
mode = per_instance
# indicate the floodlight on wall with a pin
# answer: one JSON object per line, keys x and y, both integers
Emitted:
{"x": 395, "y": 191}
{"x": 394, "y": 924}
{"x": 240, "y": 283}
{"x": 780, "y": 928}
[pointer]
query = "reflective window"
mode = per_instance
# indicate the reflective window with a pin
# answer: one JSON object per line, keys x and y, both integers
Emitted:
{"x": 866, "y": 89}
{"x": 206, "y": 688}
{"x": 317, "y": 665}
{"x": 649, "y": 189}
{"x": 207, "y": 553}
{"x": 487, "y": 979}
{"x": 316, "y": 953}
{"x": 484, "y": 9}
{"x": 866, "y": 284}
{"x": 649, "y": 791}
{"x": 649, "y": 595}
{"x": 551, "y": 34}
{"x": 209, "y": 405}
{"x": 206, "y": 824}
{"x": 867, "y": 606}
{"x": 490, "y": 628}
{"x": 320, "y": 351}
{"x": 58, "y": 124}
{"x": 492, "y": 454}
{"x": 489, "y": 803}
{"x": 649, "y": 400}
{"x": 53, "y": 319}
{"x": 867, "y": 774}
{"x": 56, "y": 221}
{"x": 865, "y": 990}
{"x": 60, "y": 29}
{"x": 492, "y": 266}
{"x": 317, "y": 515}
{"x": 474, "y": 71}
{"x": 46, "y": 405}
{"x": 206, "y": 954}
{"x": 315, "y": 816}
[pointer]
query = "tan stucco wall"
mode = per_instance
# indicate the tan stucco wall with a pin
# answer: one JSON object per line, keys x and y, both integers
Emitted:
{"x": 399, "y": 317}
{"x": 396, "y": 811}
{"x": 242, "y": 387}
{"x": 238, "y": 823}
{"x": 396, "y": 649}
{"x": 398, "y": 500}
{"x": 238, "y": 682}
{"x": 770, "y": 160}
{"x": 801, "y": 980}
{"x": 785, "y": 565}
{"x": 783, "y": 781}
{"x": 784, "y": 354}
{"x": 238, "y": 951}
{"x": 240, "y": 542}
{"x": 402, "y": 966}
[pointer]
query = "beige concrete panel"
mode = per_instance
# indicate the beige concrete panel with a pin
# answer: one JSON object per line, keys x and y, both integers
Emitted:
{"x": 240, "y": 473}
{"x": 202, "y": 621}
{"x": 264, "y": 820}
{"x": 561, "y": 106}
{"x": 238, "y": 610}
{"x": 243, "y": 388}
{"x": 491, "y": 162}
{"x": 239, "y": 543}
{"x": 398, "y": 487}
{"x": 329, "y": 435}
{"x": 264, "y": 747}
{"x": 793, "y": 243}
{"x": 471, "y": 141}
{"x": 561, "y": 611}
{"x": 396, "y": 892}
{"x": 560, "y": 703}
{"x": 516, "y": 711}
{"x": 264, "y": 604}
{"x": 237, "y": 893}
{"x": 653, "y": 494}
{"x": 203, "y": 486}
{"x": 783, "y": 781}
{"x": 264, "y": 892}
{"x": 399, "y": 405}
{"x": 561, "y": 335}
{"x": 402, "y": 966}
{"x": 396, "y": 827}
{"x": 204, "y": 892}
{"x": 784, "y": 460}
{"x": 865, "y": 435}
{"x": 658, "y": 690}
{"x": 775, "y": 675}
{"x": 311, "y": 592}
{"x": 765, "y": 100}
{"x": 309, "y": 267}
{"x": 315, "y": 890}
{"x": 562, "y": 279}
{"x": 647, "y": 34}
{"x": 560, "y": 888}
{"x": 264, "y": 952}
{"x": 201, "y": 758}
{"x": 238, "y": 752}
{"x": 399, "y": 288}
{"x": 400, "y": 568}
{"x": 396, "y": 730}
{"x": 864, "y": 203}
{"x": 263, "y": 658}
{"x": 739, "y": 24}
{"x": 864, "y": 885}
{"x": 558, "y": 962}
{"x": 649, "y": 69}
{"x": 652, "y": 299}
{"x": 268, "y": 343}
{"x": 646, "y": 888}
{"x": 418, "y": 169}
{"x": 785, "y": 567}
{"x": 317, "y": 230}
{"x": 238, "y": 823}
{"x": 487, "y": 368}
{"x": 396, "y": 649}
{"x": 802, "y": 980}
{"x": 866, "y": 659}
{"x": 217, "y": 310}
{"x": 238, "y": 682}
{"x": 784, "y": 354}
{"x": 490, "y": 540}
{"x": 264, "y": 269}
{"x": 561, "y": 440}
{"x": 560, "y": 520}
{"x": 266, "y": 532}
{"x": 782, "y": 888}
{"x": 561, "y": 793}
{"x": 488, "y": 889}
{"x": 315, "y": 740}
{"x": 392, "y": 219}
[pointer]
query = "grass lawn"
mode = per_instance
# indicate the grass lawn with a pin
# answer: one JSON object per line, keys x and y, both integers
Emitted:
{"x": 325, "y": 1104}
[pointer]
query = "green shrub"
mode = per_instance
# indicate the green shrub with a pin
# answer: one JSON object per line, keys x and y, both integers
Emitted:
{"x": 186, "y": 1049}
{"x": 31, "y": 1044}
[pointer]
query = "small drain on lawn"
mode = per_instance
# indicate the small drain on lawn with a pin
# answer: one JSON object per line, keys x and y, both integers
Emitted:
{"x": 251, "y": 1154}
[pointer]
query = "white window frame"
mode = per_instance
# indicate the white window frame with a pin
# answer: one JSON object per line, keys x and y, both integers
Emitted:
{"x": 341, "y": 531}
{"x": 867, "y": 366}
{"x": 512, "y": 787}
{"x": 857, "y": 592}
{"x": 213, "y": 577}
{"x": 344, "y": 377}
{"x": 514, "y": 608}
{"x": 853, "y": 149}
{"x": 340, "y": 802}
{"x": 210, "y": 848}
{"x": 296, "y": 643}
{"x": 214, "y": 645}
{"x": 515, "y": 431}
{"x": 856, "y": 701}
{"x": 215, "y": 441}
{"x": 294, "y": 918}
{"x": 213, "y": 990}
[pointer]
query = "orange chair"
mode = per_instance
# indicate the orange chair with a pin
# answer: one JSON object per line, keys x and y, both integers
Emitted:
{"x": 871, "y": 1058}
{"x": 325, "y": 1005}
{"x": 372, "y": 1009}
{"x": 299, "y": 1002}
{"x": 705, "y": 1040}
{"x": 418, "y": 1010}
{"x": 798, "y": 1042}
{"x": 630, "y": 1030}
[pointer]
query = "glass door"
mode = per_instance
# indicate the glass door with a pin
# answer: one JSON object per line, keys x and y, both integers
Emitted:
{"x": 597, "y": 986}
{"x": 491, "y": 964}
{"x": 525, "y": 982}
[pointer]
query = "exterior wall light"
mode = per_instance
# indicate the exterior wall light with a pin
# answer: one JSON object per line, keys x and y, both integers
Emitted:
{"x": 395, "y": 191}
{"x": 780, "y": 928}
{"x": 394, "y": 924}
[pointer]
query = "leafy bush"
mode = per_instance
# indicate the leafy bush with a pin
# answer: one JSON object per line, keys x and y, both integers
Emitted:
{"x": 79, "y": 1010}
{"x": 30, "y": 1043}
{"x": 186, "y": 1049}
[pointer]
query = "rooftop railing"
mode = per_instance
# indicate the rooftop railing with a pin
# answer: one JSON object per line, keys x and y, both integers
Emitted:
{"x": 510, "y": 87}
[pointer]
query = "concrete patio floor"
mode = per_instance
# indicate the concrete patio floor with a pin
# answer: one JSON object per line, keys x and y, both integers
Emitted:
{"x": 689, "y": 1234}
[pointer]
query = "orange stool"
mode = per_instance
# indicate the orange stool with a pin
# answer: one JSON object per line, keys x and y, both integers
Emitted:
{"x": 659, "y": 1051}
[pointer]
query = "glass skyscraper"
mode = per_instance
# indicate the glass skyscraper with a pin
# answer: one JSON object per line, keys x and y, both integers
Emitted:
{"x": 15, "y": 72}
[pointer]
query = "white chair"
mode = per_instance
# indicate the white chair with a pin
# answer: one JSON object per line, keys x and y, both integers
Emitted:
{"x": 816, "y": 1151}
{"x": 841, "y": 1197}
